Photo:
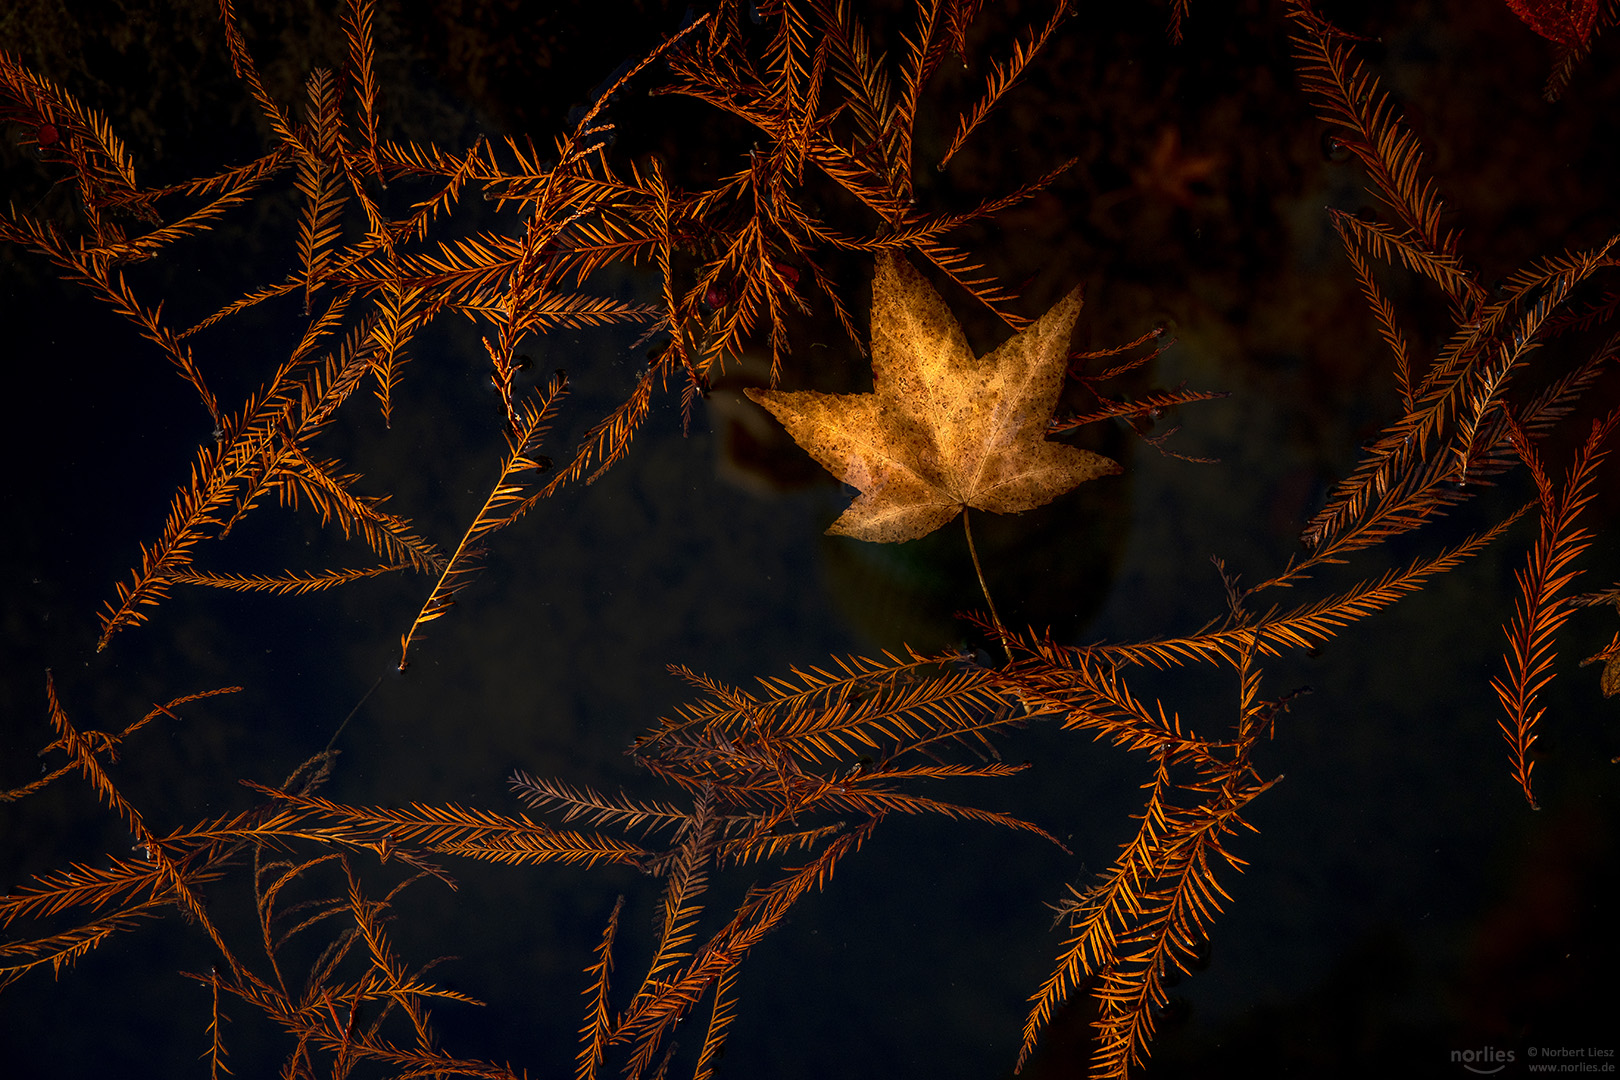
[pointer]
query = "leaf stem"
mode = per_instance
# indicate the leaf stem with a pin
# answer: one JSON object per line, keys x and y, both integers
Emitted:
{"x": 1000, "y": 629}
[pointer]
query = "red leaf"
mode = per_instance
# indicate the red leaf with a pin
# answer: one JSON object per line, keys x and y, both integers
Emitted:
{"x": 1563, "y": 22}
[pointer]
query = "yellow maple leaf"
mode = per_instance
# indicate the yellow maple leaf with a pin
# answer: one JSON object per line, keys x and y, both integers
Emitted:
{"x": 942, "y": 429}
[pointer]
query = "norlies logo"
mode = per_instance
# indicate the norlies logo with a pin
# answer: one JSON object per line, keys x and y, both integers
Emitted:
{"x": 1485, "y": 1061}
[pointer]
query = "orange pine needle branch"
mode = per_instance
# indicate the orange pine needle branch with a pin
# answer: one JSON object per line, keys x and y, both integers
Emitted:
{"x": 506, "y": 503}
{"x": 1540, "y": 609}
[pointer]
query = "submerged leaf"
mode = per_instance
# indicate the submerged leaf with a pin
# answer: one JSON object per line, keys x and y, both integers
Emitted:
{"x": 943, "y": 429}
